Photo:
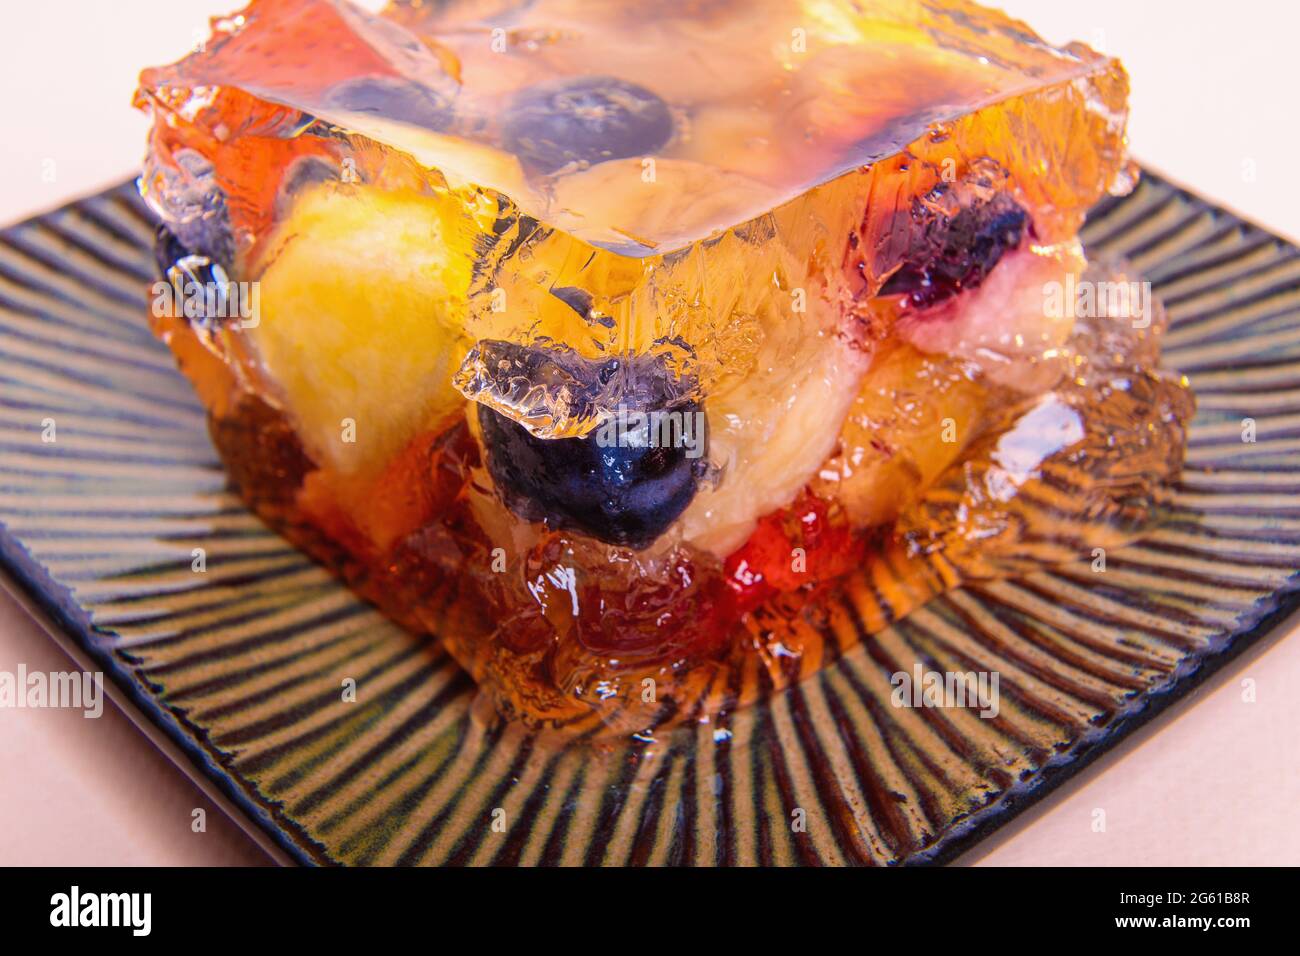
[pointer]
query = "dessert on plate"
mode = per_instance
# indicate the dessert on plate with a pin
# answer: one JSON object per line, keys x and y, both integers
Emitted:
{"x": 626, "y": 348}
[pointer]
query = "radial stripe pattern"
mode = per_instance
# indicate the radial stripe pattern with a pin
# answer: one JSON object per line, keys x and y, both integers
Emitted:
{"x": 108, "y": 485}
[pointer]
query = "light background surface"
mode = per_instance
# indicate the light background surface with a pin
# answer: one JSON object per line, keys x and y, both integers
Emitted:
{"x": 1215, "y": 89}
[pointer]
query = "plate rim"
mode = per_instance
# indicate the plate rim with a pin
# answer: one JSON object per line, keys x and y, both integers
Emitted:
{"x": 53, "y": 608}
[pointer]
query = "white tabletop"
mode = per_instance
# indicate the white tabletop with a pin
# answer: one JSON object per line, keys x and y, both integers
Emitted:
{"x": 1215, "y": 782}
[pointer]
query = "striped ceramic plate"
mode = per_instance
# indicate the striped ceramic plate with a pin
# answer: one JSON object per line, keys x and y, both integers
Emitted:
{"x": 241, "y": 665}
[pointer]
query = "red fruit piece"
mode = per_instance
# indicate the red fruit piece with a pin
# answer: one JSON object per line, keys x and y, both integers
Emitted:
{"x": 802, "y": 546}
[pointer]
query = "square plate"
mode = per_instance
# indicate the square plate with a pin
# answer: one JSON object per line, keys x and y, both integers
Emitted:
{"x": 108, "y": 485}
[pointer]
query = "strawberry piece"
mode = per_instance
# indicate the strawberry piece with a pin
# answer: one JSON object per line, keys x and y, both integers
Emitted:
{"x": 802, "y": 546}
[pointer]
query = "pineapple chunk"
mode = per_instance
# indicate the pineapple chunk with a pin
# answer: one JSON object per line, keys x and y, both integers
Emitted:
{"x": 363, "y": 298}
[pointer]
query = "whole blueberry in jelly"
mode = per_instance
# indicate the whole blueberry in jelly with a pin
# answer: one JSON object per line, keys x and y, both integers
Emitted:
{"x": 588, "y": 119}
{"x": 394, "y": 98}
{"x": 626, "y": 481}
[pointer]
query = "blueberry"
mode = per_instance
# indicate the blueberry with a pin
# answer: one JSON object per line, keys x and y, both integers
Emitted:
{"x": 945, "y": 255}
{"x": 198, "y": 283}
{"x": 183, "y": 191}
{"x": 302, "y": 174}
{"x": 170, "y": 252}
{"x": 589, "y": 119}
{"x": 167, "y": 249}
{"x": 625, "y": 482}
{"x": 394, "y": 98}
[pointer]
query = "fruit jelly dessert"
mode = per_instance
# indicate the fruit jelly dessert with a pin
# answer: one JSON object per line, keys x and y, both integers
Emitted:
{"x": 624, "y": 349}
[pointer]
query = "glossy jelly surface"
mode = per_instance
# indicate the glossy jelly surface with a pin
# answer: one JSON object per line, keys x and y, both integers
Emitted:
{"x": 754, "y": 101}
{"x": 605, "y": 341}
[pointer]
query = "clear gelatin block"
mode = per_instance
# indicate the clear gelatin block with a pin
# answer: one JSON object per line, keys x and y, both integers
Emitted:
{"x": 613, "y": 343}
